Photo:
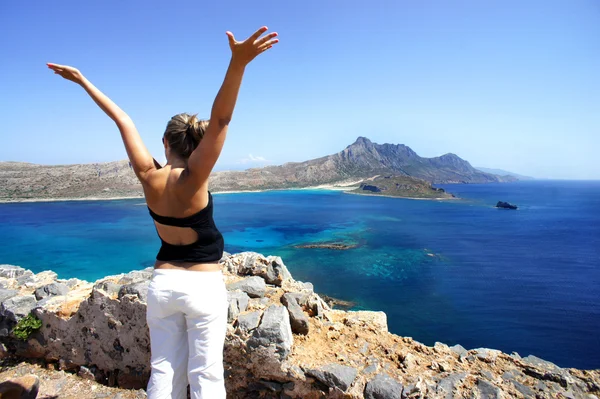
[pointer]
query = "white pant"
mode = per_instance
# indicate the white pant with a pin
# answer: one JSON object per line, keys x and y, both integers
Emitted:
{"x": 187, "y": 318}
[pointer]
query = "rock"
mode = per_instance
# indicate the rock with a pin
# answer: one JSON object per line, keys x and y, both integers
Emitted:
{"x": 382, "y": 386}
{"x": 140, "y": 289}
{"x": 541, "y": 363}
{"x": 52, "y": 289}
{"x": 112, "y": 289}
{"x": 334, "y": 375}
{"x": 25, "y": 387}
{"x": 316, "y": 305}
{"x": 486, "y": 355}
{"x": 72, "y": 282}
{"x": 280, "y": 270}
{"x": 447, "y": 384}
{"x": 271, "y": 269}
{"x": 298, "y": 320}
{"x": 274, "y": 328}
{"x": 248, "y": 321}
{"x": 10, "y": 271}
{"x": 487, "y": 390}
{"x": 238, "y": 302}
{"x": 27, "y": 279}
{"x": 367, "y": 318}
{"x": 6, "y": 294}
{"x": 525, "y": 390}
{"x": 459, "y": 350}
{"x": 135, "y": 276}
{"x": 17, "y": 307}
{"x": 253, "y": 286}
{"x": 505, "y": 205}
{"x": 86, "y": 374}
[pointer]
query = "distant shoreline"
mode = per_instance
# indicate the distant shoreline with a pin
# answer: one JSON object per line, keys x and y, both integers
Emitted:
{"x": 21, "y": 200}
{"x": 320, "y": 187}
{"x": 397, "y": 196}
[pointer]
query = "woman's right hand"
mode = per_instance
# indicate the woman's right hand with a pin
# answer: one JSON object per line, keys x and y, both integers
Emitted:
{"x": 245, "y": 51}
{"x": 67, "y": 72}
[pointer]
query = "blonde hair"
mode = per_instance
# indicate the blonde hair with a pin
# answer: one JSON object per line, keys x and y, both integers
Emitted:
{"x": 183, "y": 133}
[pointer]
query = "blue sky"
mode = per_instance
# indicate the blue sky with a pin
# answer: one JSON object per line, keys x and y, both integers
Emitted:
{"x": 503, "y": 84}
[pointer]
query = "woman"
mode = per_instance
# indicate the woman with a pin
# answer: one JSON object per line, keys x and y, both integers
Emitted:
{"x": 187, "y": 298}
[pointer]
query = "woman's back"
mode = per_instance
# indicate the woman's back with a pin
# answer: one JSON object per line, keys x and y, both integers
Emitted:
{"x": 184, "y": 220}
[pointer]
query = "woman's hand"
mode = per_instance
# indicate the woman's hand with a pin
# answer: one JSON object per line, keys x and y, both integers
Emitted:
{"x": 67, "y": 72}
{"x": 245, "y": 51}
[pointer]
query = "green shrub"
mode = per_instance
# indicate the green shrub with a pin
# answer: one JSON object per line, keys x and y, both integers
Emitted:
{"x": 26, "y": 326}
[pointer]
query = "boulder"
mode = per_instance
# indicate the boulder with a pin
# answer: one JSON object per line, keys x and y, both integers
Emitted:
{"x": 139, "y": 288}
{"x": 6, "y": 294}
{"x": 298, "y": 320}
{"x": 459, "y": 350}
{"x": 487, "y": 390}
{"x": 52, "y": 289}
{"x": 10, "y": 271}
{"x": 238, "y": 302}
{"x": 382, "y": 386}
{"x": 17, "y": 307}
{"x": 446, "y": 385}
{"x": 335, "y": 375}
{"x": 248, "y": 321}
{"x": 271, "y": 269}
{"x": 254, "y": 286}
{"x": 274, "y": 329}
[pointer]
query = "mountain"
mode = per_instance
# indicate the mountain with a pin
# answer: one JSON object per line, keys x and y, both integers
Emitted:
{"x": 361, "y": 160}
{"x": 501, "y": 172}
{"x": 358, "y": 161}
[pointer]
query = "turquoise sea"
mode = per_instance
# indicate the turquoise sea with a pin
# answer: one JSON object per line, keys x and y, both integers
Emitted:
{"x": 451, "y": 271}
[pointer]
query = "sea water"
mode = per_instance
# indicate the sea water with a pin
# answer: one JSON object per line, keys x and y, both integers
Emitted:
{"x": 454, "y": 271}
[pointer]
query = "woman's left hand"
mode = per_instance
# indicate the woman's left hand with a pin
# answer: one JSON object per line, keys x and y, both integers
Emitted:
{"x": 247, "y": 50}
{"x": 67, "y": 72}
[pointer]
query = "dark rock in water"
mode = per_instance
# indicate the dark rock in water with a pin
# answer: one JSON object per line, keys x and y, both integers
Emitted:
{"x": 505, "y": 205}
{"x": 337, "y": 303}
{"x": 328, "y": 245}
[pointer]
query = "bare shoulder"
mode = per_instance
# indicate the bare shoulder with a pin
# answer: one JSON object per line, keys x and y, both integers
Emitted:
{"x": 170, "y": 191}
{"x": 155, "y": 185}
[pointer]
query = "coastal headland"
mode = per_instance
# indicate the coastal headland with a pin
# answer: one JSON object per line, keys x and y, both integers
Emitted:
{"x": 283, "y": 341}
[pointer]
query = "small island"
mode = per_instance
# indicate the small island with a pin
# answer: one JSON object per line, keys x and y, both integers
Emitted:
{"x": 400, "y": 186}
{"x": 505, "y": 205}
{"x": 327, "y": 245}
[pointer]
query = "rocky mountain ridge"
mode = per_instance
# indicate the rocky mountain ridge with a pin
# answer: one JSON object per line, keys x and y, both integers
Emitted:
{"x": 359, "y": 161}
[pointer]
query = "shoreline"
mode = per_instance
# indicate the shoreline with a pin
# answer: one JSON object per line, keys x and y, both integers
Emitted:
{"x": 344, "y": 187}
{"x": 21, "y": 200}
{"x": 411, "y": 198}
{"x": 29, "y": 200}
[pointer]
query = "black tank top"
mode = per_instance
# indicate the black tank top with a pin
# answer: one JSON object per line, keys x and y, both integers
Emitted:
{"x": 207, "y": 248}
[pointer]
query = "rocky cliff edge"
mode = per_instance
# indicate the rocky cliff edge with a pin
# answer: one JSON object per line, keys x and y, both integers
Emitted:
{"x": 283, "y": 341}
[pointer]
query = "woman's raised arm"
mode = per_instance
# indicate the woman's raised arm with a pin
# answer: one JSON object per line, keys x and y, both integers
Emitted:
{"x": 141, "y": 160}
{"x": 204, "y": 157}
